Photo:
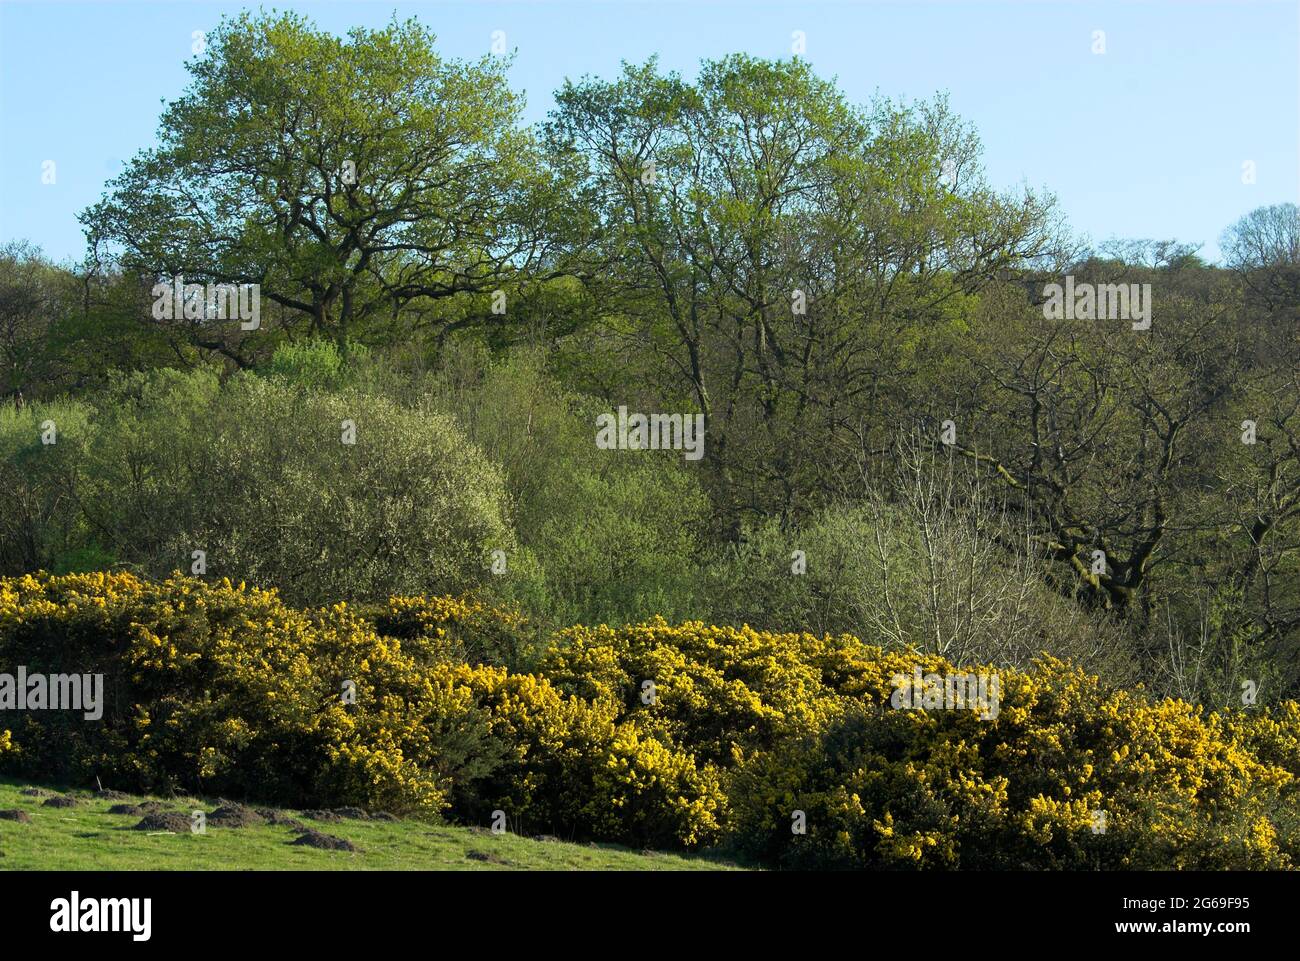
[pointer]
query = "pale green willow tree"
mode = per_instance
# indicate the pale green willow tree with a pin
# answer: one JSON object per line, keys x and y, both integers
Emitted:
{"x": 349, "y": 177}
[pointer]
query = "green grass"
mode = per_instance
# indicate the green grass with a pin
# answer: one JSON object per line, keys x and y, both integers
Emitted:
{"x": 88, "y": 838}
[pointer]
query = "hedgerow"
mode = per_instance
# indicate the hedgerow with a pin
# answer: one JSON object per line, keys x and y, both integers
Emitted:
{"x": 683, "y": 736}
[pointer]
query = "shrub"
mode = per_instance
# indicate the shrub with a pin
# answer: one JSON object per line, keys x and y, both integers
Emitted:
{"x": 255, "y": 474}
{"x": 221, "y": 689}
{"x": 795, "y": 722}
{"x": 40, "y": 524}
{"x": 213, "y": 688}
{"x": 463, "y": 629}
{"x": 1170, "y": 786}
{"x": 715, "y": 689}
{"x": 317, "y": 364}
{"x": 615, "y": 535}
{"x": 571, "y": 769}
{"x": 938, "y": 582}
{"x": 411, "y": 507}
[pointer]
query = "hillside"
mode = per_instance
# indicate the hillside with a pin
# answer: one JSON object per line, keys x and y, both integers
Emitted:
{"x": 87, "y": 837}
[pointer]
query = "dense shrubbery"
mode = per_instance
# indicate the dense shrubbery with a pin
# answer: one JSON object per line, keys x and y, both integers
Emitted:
{"x": 255, "y": 473}
{"x": 444, "y": 472}
{"x": 615, "y": 537}
{"x": 227, "y": 690}
{"x": 451, "y": 466}
{"x": 935, "y": 581}
{"x": 464, "y": 629}
{"x": 800, "y": 722}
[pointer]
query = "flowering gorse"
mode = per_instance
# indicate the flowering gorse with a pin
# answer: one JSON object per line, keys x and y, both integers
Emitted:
{"x": 680, "y": 736}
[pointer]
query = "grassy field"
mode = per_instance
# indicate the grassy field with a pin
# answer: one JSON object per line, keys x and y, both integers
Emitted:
{"x": 87, "y": 837}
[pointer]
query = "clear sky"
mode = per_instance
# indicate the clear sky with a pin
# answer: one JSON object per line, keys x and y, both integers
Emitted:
{"x": 1147, "y": 139}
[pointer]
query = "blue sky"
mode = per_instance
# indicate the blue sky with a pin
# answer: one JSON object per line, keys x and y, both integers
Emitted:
{"x": 1145, "y": 140}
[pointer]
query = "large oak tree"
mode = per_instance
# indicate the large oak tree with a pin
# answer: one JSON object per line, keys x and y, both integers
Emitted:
{"x": 351, "y": 178}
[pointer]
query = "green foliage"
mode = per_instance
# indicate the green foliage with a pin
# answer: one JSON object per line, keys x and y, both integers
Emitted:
{"x": 256, "y": 474}
{"x": 615, "y": 535}
{"x": 316, "y": 364}
{"x": 789, "y": 263}
{"x": 915, "y": 575}
{"x": 650, "y": 240}
{"x": 356, "y": 176}
{"x": 35, "y": 296}
{"x": 39, "y": 524}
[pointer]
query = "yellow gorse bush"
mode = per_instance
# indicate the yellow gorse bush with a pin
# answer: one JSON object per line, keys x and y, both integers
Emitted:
{"x": 668, "y": 735}
{"x": 1068, "y": 774}
{"x": 223, "y": 689}
{"x": 456, "y": 627}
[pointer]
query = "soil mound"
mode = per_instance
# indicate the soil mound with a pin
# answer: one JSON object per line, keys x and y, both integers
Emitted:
{"x": 326, "y": 842}
{"x": 173, "y": 821}
{"x": 234, "y": 816}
